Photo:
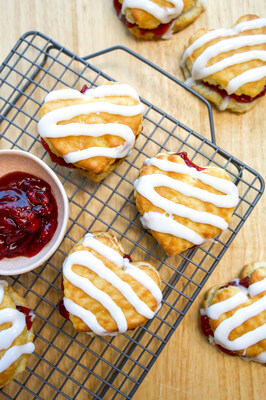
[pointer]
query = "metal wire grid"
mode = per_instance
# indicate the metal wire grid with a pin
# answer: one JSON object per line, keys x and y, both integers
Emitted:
{"x": 68, "y": 365}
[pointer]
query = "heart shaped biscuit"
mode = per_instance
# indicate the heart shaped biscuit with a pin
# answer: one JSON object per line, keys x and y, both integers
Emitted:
{"x": 16, "y": 335}
{"x": 233, "y": 316}
{"x": 104, "y": 291}
{"x": 228, "y": 66}
{"x": 181, "y": 204}
{"x": 153, "y": 19}
{"x": 92, "y": 131}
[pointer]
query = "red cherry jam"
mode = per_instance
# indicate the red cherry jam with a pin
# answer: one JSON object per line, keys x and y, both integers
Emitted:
{"x": 241, "y": 99}
{"x": 207, "y": 331}
{"x": 29, "y": 315}
{"x": 159, "y": 31}
{"x": 242, "y": 282}
{"x": 28, "y": 215}
{"x": 63, "y": 311}
{"x": 54, "y": 157}
{"x": 189, "y": 163}
{"x": 84, "y": 88}
{"x": 127, "y": 256}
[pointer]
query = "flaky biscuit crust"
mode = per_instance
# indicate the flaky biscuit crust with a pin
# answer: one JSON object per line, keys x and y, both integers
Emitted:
{"x": 223, "y": 77}
{"x": 103, "y": 317}
{"x": 95, "y": 168}
{"x": 11, "y": 299}
{"x": 143, "y": 20}
{"x": 256, "y": 272}
{"x": 171, "y": 244}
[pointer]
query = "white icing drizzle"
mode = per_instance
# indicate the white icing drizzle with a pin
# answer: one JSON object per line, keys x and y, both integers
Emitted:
{"x": 163, "y": 14}
{"x": 88, "y": 260}
{"x": 200, "y": 70}
{"x": 13, "y": 354}
{"x": 48, "y": 125}
{"x": 224, "y": 329}
{"x": 158, "y": 222}
{"x": 261, "y": 357}
{"x": 7, "y": 336}
{"x": 162, "y": 223}
{"x": 252, "y": 75}
{"x": 224, "y": 103}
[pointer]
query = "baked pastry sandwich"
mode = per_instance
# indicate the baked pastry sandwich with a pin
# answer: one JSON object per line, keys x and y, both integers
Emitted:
{"x": 228, "y": 66}
{"x": 158, "y": 19}
{"x": 15, "y": 333}
{"x": 92, "y": 131}
{"x": 181, "y": 204}
{"x": 233, "y": 316}
{"x": 105, "y": 293}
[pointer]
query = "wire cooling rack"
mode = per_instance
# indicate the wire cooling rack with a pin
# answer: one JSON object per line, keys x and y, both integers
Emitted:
{"x": 68, "y": 365}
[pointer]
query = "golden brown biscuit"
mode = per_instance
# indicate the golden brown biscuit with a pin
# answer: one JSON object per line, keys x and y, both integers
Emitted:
{"x": 181, "y": 204}
{"x": 92, "y": 131}
{"x": 164, "y": 18}
{"x": 228, "y": 66}
{"x": 233, "y": 316}
{"x": 15, "y": 334}
{"x": 104, "y": 291}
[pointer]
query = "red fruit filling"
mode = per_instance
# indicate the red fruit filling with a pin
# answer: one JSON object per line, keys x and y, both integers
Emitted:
{"x": 55, "y": 158}
{"x": 159, "y": 31}
{"x": 127, "y": 256}
{"x": 63, "y": 311}
{"x": 241, "y": 99}
{"x": 28, "y": 215}
{"x": 189, "y": 163}
{"x": 29, "y": 315}
{"x": 207, "y": 331}
{"x": 84, "y": 88}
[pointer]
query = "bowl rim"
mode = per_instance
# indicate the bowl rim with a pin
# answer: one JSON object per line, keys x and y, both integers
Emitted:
{"x": 64, "y": 222}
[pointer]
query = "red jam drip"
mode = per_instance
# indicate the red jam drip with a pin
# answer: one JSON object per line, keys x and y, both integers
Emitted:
{"x": 159, "y": 31}
{"x": 63, "y": 311}
{"x": 84, "y": 88}
{"x": 29, "y": 315}
{"x": 207, "y": 331}
{"x": 243, "y": 98}
{"x": 128, "y": 257}
{"x": 242, "y": 282}
{"x": 54, "y": 157}
{"x": 28, "y": 215}
{"x": 189, "y": 163}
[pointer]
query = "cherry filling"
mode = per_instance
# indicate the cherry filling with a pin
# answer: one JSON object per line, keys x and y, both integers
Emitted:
{"x": 84, "y": 88}
{"x": 28, "y": 215}
{"x": 189, "y": 163}
{"x": 54, "y": 157}
{"x": 204, "y": 319}
{"x": 159, "y": 31}
{"x": 243, "y": 98}
{"x": 127, "y": 256}
{"x": 29, "y": 315}
{"x": 62, "y": 309}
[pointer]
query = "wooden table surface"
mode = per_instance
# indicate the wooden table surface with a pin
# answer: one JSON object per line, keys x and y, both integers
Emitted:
{"x": 188, "y": 368}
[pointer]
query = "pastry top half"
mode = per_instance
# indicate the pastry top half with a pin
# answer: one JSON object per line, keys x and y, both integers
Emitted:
{"x": 15, "y": 333}
{"x": 181, "y": 204}
{"x": 104, "y": 291}
{"x": 92, "y": 131}
{"x": 230, "y": 60}
{"x": 149, "y": 19}
{"x": 234, "y": 315}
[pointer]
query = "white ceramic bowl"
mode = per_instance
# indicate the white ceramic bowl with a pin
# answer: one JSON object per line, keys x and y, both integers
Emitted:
{"x": 17, "y": 160}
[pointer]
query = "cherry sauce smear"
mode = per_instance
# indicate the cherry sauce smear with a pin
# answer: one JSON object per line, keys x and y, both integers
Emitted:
{"x": 28, "y": 215}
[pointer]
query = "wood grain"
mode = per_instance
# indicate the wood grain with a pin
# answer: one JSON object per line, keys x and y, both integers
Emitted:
{"x": 188, "y": 368}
